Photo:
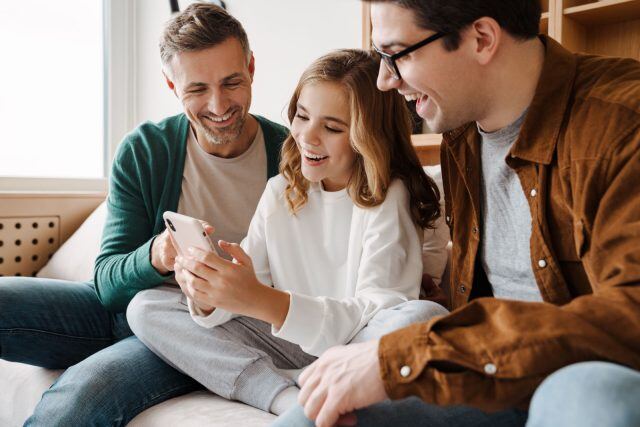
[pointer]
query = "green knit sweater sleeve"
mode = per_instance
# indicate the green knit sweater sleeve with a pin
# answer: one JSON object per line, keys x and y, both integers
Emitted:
{"x": 123, "y": 266}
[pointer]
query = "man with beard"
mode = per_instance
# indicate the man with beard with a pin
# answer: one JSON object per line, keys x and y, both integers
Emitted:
{"x": 212, "y": 162}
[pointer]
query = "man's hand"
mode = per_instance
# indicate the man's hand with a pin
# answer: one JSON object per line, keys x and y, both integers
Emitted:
{"x": 163, "y": 253}
{"x": 343, "y": 379}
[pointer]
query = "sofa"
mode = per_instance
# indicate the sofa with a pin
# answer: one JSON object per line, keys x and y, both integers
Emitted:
{"x": 21, "y": 386}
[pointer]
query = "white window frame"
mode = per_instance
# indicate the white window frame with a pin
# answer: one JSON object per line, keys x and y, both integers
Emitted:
{"x": 119, "y": 90}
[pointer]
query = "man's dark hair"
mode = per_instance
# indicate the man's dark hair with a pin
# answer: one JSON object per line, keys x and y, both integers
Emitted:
{"x": 520, "y": 18}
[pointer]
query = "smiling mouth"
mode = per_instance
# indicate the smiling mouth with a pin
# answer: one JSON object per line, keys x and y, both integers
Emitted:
{"x": 313, "y": 157}
{"x": 220, "y": 121}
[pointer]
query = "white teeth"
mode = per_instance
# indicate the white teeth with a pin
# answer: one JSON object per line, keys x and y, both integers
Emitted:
{"x": 313, "y": 156}
{"x": 221, "y": 119}
{"x": 413, "y": 96}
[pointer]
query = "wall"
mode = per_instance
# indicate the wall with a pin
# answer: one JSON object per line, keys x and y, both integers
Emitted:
{"x": 285, "y": 35}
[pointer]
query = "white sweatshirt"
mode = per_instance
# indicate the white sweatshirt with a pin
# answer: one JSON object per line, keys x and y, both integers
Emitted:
{"x": 340, "y": 263}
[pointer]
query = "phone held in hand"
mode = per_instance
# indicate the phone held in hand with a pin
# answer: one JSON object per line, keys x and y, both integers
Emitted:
{"x": 187, "y": 232}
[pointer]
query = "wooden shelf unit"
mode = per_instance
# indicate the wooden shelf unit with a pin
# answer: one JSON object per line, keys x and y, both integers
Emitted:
{"x": 607, "y": 27}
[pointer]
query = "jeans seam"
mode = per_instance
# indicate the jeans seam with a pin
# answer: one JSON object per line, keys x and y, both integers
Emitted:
{"x": 15, "y": 330}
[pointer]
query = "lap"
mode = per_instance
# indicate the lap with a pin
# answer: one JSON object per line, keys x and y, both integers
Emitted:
{"x": 587, "y": 394}
{"x": 160, "y": 318}
{"x": 114, "y": 384}
{"x": 414, "y": 412}
{"x": 54, "y": 323}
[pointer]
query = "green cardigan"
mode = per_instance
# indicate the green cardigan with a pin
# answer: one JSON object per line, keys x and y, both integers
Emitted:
{"x": 146, "y": 180}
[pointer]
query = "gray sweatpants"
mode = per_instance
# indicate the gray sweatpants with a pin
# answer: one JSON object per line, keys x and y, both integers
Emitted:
{"x": 240, "y": 360}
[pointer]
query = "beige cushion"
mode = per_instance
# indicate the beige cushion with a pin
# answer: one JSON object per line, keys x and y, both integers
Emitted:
{"x": 74, "y": 259}
{"x": 21, "y": 387}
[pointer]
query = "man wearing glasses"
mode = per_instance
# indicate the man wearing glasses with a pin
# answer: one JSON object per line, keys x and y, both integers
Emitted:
{"x": 541, "y": 160}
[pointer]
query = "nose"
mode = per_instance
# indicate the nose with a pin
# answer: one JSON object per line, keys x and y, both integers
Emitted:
{"x": 386, "y": 81}
{"x": 218, "y": 103}
{"x": 308, "y": 135}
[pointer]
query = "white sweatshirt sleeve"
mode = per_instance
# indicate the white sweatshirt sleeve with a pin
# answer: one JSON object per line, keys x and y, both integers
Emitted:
{"x": 389, "y": 271}
{"x": 254, "y": 245}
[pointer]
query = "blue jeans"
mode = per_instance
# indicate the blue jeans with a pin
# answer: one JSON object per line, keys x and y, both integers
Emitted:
{"x": 581, "y": 395}
{"x": 111, "y": 376}
{"x": 415, "y": 413}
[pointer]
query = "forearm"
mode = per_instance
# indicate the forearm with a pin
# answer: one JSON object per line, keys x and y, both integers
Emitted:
{"x": 271, "y": 305}
{"x": 118, "y": 277}
{"x": 493, "y": 353}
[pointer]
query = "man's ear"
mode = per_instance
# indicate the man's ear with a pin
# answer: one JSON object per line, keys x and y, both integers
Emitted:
{"x": 252, "y": 66}
{"x": 170, "y": 83}
{"x": 487, "y": 35}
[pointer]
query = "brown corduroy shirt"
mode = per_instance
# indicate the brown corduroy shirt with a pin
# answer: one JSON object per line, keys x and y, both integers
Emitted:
{"x": 578, "y": 159}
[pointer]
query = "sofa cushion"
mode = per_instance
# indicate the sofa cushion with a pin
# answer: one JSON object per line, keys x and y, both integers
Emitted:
{"x": 23, "y": 385}
{"x": 75, "y": 258}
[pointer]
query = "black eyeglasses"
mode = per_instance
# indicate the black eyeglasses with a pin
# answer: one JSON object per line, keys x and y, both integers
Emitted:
{"x": 390, "y": 60}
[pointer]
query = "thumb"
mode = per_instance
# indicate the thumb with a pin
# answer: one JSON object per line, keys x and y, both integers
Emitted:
{"x": 208, "y": 228}
{"x": 236, "y": 252}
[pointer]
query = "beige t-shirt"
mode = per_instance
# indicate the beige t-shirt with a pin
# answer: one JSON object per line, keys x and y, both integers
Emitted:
{"x": 223, "y": 192}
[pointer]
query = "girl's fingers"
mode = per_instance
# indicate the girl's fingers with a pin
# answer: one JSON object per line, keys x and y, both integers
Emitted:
{"x": 236, "y": 251}
{"x": 210, "y": 259}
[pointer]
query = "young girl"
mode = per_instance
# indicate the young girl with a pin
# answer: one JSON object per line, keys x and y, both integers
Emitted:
{"x": 332, "y": 255}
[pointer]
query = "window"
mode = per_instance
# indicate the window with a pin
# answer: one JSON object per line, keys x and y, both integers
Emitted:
{"x": 53, "y": 91}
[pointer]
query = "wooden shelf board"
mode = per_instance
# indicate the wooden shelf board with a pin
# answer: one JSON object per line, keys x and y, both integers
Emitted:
{"x": 604, "y": 12}
{"x": 544, "y": 4}
{"x": 544, "y": 23}
{"x": 427, "y": 147}
{"x": 426, "y": 139}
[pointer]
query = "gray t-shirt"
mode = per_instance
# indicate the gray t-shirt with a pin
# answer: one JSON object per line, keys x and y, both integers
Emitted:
{"x": 223, "y": 192}
{"x": 505, "y": 251}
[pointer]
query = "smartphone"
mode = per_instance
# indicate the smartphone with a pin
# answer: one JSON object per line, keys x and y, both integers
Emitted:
{"x": 187, "y": 232}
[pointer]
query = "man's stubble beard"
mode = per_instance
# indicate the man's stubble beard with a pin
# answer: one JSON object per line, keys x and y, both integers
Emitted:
{"x": 225, "y": 135}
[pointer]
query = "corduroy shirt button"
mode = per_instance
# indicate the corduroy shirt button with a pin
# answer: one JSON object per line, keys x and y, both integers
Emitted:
{"x": 542, "y": 263}
{"x": 462, "y": 288}
{"x": 490, "y": 369}
{"x": 534, "y": 192}
{"x": 405, "y": 371}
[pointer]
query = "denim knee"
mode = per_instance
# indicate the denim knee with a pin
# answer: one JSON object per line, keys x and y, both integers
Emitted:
{"x": 83, "y": 395}
{"x": 587, "y": 394}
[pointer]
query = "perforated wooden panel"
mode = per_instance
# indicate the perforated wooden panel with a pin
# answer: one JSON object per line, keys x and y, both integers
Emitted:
{"x": 27, "y": 243}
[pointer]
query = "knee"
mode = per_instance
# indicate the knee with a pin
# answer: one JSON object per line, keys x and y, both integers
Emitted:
{"x": 92, "y": 384}
{"x": 416, "y": 311}
{"x": 587, "y": 394}
{"x": 142, "y": 311}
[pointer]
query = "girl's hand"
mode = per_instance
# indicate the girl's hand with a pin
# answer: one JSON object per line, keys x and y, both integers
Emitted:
{"x": 232, "y": 286}
{"x": 184, "y": 277}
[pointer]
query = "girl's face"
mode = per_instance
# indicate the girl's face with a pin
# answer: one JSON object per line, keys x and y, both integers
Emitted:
{"x": 321, "y": 131}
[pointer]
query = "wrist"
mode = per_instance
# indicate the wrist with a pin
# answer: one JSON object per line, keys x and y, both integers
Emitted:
{"x": 155, "y": 262}
{"x": 274, "y": 306}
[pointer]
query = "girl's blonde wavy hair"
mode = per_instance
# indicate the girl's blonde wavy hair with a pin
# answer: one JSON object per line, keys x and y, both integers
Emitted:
{"x": 380, "y": 135}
